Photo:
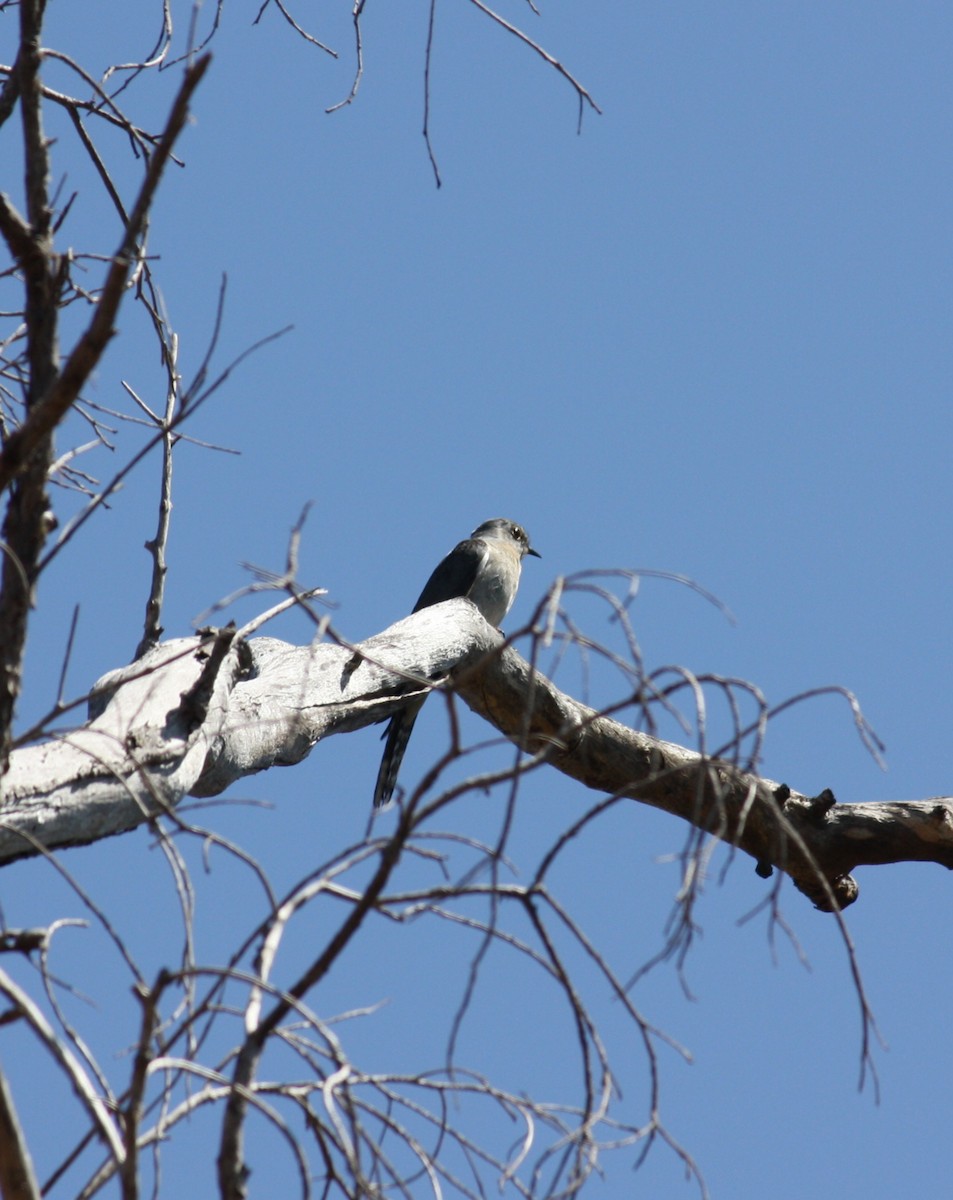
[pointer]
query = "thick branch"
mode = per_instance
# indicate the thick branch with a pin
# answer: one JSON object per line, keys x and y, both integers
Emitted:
{"x": 17, "y": 1178}
{"x": 814, "y": 840}
{"x": 137, "y": 758}
{"x": 194, "y": 716}
{"x": 197, "y": 714}
{"x": 27, "y": 519}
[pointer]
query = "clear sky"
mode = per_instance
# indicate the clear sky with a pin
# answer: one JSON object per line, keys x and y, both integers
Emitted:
{"x": 709, "y": 335}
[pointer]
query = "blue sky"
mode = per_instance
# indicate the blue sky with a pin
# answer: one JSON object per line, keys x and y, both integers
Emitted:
{"x": 708, "y": 335}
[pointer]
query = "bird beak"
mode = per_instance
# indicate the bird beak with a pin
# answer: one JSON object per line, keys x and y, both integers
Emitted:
{"x": 535, "y": 553}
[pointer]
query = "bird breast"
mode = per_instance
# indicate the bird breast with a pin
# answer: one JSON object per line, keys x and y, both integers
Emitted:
{"x": 494, "y": 590}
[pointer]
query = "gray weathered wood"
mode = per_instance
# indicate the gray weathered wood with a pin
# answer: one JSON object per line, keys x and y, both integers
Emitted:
{"x": 197, "y": 714}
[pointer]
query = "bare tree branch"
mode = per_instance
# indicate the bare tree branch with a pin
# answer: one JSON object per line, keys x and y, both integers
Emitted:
{"x": 179, "y": 722}
{"x": 27, "y": 520}
{"x": 814, "y": 840}
{"x": 55, "y": 401}
{"x": 582, "y": 94}
{"x": 356, "y": 15}
{"x": 156, "y": 545}
{"x": 17, "y": 1180}
{"x": 81, "y": 1083}
{"x": 146, "y": 748}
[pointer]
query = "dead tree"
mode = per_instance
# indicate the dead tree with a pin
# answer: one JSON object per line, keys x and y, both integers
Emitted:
{"x": 189, "y": 717}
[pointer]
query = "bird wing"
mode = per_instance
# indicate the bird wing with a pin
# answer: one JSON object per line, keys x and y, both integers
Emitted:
{"x": 455, "y": 575}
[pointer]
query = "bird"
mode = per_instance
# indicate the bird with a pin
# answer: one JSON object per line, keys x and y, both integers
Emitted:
{"x": 485, "y": 568}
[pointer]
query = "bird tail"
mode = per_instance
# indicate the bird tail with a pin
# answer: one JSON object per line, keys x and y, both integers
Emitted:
{"x": 398, "y": 735}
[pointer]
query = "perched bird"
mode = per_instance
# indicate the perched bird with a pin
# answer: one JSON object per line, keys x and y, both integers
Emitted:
{"x": 486, "y": 569}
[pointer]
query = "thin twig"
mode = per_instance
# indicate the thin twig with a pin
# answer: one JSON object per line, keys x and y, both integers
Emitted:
{"x": 358, "y": 57}
{"x": 53, "y": 405}
{"x": 82, "y": 1086}
{"x": 428, "y": 55}
{"x": 581, "y": 92}
{"x": 186, "y": 409}
{"x": 156, "y": 546}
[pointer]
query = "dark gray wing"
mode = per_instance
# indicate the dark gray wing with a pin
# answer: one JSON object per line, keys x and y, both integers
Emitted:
{"x": 455, "y": 575}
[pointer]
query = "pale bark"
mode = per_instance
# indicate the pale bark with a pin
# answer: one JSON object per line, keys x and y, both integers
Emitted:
{"x": 195, "y": 715}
